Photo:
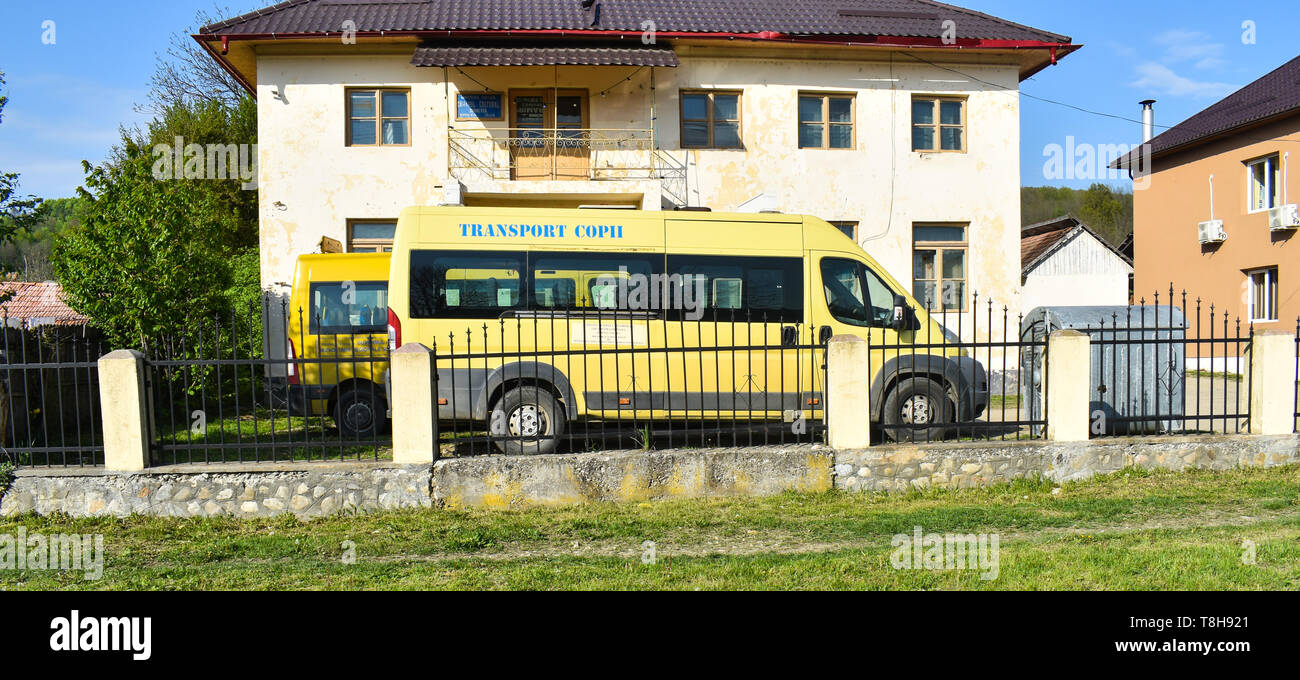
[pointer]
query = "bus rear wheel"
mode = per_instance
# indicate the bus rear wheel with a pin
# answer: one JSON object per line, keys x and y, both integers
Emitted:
{"x": 918, "y": 410}
{"x": 527, "y": 421}
{"x": 361, "y": 413}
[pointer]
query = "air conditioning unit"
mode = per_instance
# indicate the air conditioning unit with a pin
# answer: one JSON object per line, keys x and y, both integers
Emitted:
{"x": 1284, "y": 218}
{"x": 1212, "y": 232}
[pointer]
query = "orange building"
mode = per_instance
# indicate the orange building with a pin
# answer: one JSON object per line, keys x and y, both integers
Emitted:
{"x": 1216, "y": 215}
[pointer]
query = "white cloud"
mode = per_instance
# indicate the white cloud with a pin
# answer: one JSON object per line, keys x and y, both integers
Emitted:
{"x": 1182, "y": 45}
{"x": 1160, "y": 79}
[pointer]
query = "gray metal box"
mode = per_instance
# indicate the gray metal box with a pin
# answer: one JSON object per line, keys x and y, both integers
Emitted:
{"x": 1138, "y": 364}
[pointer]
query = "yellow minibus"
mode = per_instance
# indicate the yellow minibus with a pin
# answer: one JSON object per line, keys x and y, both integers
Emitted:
{"x": 337, "y": 337}
{"x": 562, "y": 315}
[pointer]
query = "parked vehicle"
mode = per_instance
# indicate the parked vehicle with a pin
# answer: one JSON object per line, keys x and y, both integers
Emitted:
{"x": 337, "y": 341}
{"x": 549, "y": 299}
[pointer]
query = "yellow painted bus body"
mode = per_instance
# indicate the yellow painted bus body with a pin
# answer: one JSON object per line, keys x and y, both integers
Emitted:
{"x": 469, "y": 282}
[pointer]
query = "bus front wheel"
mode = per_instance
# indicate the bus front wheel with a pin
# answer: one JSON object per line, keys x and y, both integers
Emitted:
{"x": 917, "y": 410}
{"x": 527, "y": 421}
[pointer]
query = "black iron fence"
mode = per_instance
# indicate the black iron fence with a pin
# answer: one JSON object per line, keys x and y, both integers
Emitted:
{"x": 1297, "y": 374}
{"x": 49, "y": 397}
{"x": 581, "y": 380}
{"x": 234, "y": 390}
{"x": 960, "y": 377}
{"x": 1159, "y": 370}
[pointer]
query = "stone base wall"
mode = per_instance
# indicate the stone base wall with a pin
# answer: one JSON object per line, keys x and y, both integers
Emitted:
{"x": 308, "y": 490}
{"x": 958, "y": 466}
{"x": 319, "y": 489}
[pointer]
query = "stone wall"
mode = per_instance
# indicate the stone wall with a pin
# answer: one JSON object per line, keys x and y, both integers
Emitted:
{"x": 306, "y": 490}
{"x": 497, "y": 482}
{"x": 954, "y": 466}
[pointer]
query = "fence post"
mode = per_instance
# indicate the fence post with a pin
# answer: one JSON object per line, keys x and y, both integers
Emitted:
{"x": 1272, "y": 382}
{"x": 415, "y": 425}
{"x": 848, "y": 401}
{"x": 1068, "y": 384}
{"x": 123, "y": 407}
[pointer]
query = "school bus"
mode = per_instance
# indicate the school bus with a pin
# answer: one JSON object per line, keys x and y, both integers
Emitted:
{"x": 337, "y": 341}
{"x": 541, "y": 306}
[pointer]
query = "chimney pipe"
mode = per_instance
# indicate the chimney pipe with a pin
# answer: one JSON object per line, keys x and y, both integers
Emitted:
{"x": 1148, "y": 120}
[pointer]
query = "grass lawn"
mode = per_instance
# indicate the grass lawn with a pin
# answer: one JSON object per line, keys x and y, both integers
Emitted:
{"x": 1136, "y": 530}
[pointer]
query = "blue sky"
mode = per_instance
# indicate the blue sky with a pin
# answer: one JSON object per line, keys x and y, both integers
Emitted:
{"x": 68, "y": 99}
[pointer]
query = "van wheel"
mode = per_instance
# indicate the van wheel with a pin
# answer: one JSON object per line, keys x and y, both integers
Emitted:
{"x": 522, "y": 416}
{"x": 361, "y": 413}
{"x": 918, "y": 410}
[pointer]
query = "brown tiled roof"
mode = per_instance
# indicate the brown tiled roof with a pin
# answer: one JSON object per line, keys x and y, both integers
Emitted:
{"x": 37, "y": 304}
{"x": 901, "y": 18}
{"x": 542, "y": 55}
{"x": 1039, "y": 241}
{"x": 1276, "y": 94}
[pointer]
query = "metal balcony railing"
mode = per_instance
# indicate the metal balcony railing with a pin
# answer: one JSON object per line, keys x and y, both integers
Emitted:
{"x": 524, "y": 154}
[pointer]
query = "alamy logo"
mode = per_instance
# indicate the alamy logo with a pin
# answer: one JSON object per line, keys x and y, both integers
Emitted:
{"x": 95, "y": 634}
{"x": 947, "y": 552}
{"x": 206, "y": 162}
{"x": 654, "y": 292}
{"x": 61, "y": 552}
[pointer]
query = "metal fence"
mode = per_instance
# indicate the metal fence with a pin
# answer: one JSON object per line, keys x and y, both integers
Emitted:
{"x": 49, "y": 397}
{"x": 216, "y": 398}
{"x": 972, "y": 388}
{"x": 581, "y": 380}
{"x": 1297, "y": 374}
{"x": 1158, "y": 370}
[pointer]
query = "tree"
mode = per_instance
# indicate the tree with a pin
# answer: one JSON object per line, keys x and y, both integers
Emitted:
{"x": 15, "y": 212}
{"x": 142, "y": 264}
{"x": 186, "y": 74}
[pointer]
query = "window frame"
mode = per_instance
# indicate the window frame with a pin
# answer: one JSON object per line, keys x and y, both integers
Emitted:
{"x": 941, "y": 247}
{"x": 938, "y": 125}
{"x": 862, "y": 272}
{"x": 853, "y": 224}
{"x": 352, "y": 242}
{"x": 825, "y": 122}
{"x": 1271, "y": 294}
{"x": 379, "y": 116}
{"x": 1272, "y": 168}
{"x": 710, "y": 122}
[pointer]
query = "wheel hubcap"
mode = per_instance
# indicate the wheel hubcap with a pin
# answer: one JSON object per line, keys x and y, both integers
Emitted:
{"x": 918, "y": 411}
{"x": 527, "y": 421}
{"x": 359, "y": 417}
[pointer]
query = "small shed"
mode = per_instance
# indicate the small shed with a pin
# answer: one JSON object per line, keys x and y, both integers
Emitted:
{"x": 1064, "y": 263}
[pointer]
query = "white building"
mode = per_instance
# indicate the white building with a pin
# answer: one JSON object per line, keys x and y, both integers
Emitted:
{"x": 898, "y": 120}
{"x": 1066, "y": 264}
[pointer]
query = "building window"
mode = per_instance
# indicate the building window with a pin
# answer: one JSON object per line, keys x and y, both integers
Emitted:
{"x": 826, "y": 121}
{"x": 379, "y": 117}
{"x": 1265, "y": 182}
{"x": 939, "y": 266}
{"x": 371, "y": 236}
{"x": 938, "y": 124}
{"x": 1263, "y": 294}
{"x": 849, "y": 229}
{"x": 711, "y": 120}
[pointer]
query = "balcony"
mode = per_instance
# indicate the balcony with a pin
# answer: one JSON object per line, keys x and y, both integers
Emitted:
{"x": 564, "y": 155}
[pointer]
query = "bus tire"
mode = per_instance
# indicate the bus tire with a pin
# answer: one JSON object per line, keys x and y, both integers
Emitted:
{"x": 523, "y": 414}
{"x": 361, "y": 413}
{"x": 916, "y": 410}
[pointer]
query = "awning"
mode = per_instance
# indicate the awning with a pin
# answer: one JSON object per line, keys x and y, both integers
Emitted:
{"x": 543, "y": 56}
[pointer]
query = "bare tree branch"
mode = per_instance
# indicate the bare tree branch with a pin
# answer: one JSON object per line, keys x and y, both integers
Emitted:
{"x": 186, "y": 74}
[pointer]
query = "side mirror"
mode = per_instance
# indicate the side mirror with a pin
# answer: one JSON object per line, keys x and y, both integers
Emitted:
{"x": 901, "y": 318}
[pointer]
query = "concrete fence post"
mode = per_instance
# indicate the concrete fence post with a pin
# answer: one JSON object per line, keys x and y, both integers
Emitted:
{"x": 415, "y": 423}
{"x": 124, "y": 408}
{"x": 848, "y": 402}
{"x": 1068, "y": 383}
{"x": 1272, "y": 382}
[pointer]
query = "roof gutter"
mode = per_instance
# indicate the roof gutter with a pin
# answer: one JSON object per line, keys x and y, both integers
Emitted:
{"x": 1056, "y": 49}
